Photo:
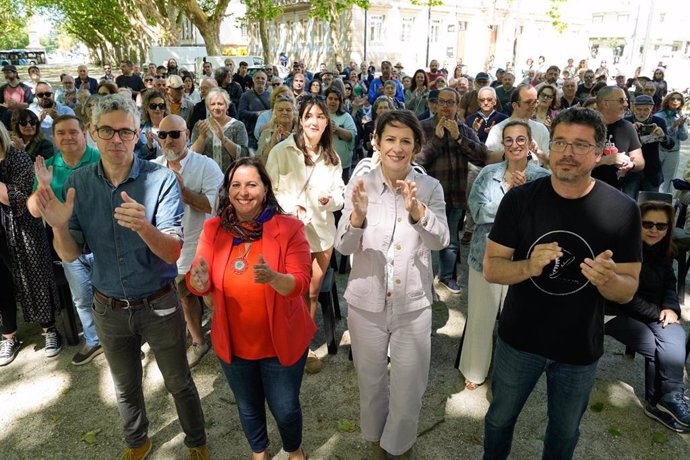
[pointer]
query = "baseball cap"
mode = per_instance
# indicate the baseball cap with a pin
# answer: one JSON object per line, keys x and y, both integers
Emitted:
{"x": 433, "y": 95}
{"x": 399, "y": 65}
{"x": 174, "y": 82}
{"x": 482, "y": 76}
{"x": 9, "y": 68}
{"x": 644, "y": 100}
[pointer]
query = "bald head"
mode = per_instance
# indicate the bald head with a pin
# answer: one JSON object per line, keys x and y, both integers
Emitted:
{"x": 172, "y": 137}
{"x": 206, "y": 85}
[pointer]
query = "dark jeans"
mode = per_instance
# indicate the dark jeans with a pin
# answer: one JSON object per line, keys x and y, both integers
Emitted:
{"x": 256, "y": 382}
{"x": 161, "y": 324}
{"x": 663, "y": 346}
{"x": 448, "y": 257}
{"x": 8, "y": 304}
{"x": 513, "y": 378}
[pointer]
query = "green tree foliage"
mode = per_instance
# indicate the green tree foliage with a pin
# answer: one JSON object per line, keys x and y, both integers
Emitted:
{"x": 262, "y": 12}
{"x": 331, "y": 11}
{"x": 13, "y": 25}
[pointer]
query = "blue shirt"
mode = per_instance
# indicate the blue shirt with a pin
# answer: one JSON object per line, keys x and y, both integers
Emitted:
{"x": 374, "y": 92}
{"x": 124, "y": 267}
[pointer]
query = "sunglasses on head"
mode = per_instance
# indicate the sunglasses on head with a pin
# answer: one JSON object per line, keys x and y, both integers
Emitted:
{"x": 172, "y": 134}
{"x": 648, "y": 225}
{"x": 160, "y": 106}
{"x": 46, "y": 94}
{"x": 28, "y": 122}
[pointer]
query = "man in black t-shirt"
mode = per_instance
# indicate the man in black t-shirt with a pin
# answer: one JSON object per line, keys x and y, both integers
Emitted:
{"x": 622, "y": 152}
{"x": 565, "y": 244}
{"x": 129, "y": 80}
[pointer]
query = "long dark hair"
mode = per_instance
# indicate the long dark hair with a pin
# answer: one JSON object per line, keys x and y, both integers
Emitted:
{"x": 148, "y": 96}
{"x": 666, "y": 244}
{"x": 414, "y": 80}
{"x": 224, "y": 198}
{"x": 326, "y": 141}
{"x": 25, "y": 115}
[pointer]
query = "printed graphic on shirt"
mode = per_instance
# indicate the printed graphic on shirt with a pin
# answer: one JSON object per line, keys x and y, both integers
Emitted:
{"x": 563, "y": 276}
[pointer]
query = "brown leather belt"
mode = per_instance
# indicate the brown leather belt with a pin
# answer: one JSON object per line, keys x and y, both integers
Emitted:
{"x": 126, "y": 304}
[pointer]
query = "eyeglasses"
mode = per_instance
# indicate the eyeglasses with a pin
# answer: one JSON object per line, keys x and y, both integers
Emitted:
{"x": 28, "y": 122}
{"x": 546, "y": 96}
{"x": 172, "y": 134}
{"x": 160, "y": 106}
{"x": 275, "y": 84}
{"x": 648, "y": 225}
{"x": 106, "y": 133}
{"x": 679, "y": 99}
{"x": 520, "y": 141}
{"x": 578, "y": 148}
{"x": 446, "y": 102}
{"x": 620, "y": 101}
{"x": 46, "y": 94}
{"x": 148, "y": 79}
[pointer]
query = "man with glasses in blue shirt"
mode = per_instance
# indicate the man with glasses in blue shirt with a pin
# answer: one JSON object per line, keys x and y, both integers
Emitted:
{"x": 565, "y": 244}
{"x": 128, "y": 212}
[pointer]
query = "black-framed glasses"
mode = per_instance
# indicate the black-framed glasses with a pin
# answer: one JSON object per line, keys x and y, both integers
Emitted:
{"x": 44, "y": 94}
{"x": 520, "y": 141}
{"x": 446, "y": 102}
{"x": 577, "y": 147}
{"x": 648, "y": 225}
{"x": 160, "y": 106}
{"x": 487, "y": 99}
{"x": 28, "y": 122}
{"x": 275, "y": 85}
{"x": 546, "y": 96}
{"x": 106, "y": 133}
{"x": 148, "y": 79}
{"x": 172, "y": 134}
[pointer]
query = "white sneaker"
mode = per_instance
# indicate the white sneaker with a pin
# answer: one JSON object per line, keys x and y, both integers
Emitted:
{"x": 195, "y": 352}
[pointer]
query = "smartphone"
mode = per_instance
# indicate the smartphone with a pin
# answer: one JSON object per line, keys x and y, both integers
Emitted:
{"x": 646, "y": 130}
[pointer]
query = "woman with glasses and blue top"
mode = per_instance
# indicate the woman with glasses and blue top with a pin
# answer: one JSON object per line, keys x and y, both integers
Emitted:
{"x": 677, "y": 125}
{"x": 484, "y": 298}
{"x": 650, "y": 322}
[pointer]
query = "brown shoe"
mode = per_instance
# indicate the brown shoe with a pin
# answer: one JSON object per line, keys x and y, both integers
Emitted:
{"x": 137, "y": 453}
{"x": 466, "y": 238}
{"x": 313, "y": 365}
{"x": 199, "y": 453}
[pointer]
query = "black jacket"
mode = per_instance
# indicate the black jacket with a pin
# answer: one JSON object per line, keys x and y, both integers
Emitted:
{"x": 657, "y": 289}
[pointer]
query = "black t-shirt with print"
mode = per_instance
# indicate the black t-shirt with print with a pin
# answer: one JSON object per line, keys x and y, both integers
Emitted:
{"x": 624, "y": 135}
{"x": 560, "y": 314}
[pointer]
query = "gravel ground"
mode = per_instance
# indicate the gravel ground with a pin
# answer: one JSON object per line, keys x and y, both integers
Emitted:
{"x": 59, "y": 411}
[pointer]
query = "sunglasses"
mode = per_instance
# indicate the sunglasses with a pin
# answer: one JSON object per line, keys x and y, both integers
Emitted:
{"x": 160, "y": 106}
{"x": 46, "y": 94}
{"x": 648, "y": 225}
{"x": 28, "y": 122}
{"x": 172, "y": 134}
{"x": 546, "y": 96}
{"x": 148, "y": 79}
{"x": 275, "y": 84}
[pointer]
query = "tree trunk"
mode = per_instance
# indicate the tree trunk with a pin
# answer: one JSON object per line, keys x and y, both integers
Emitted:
{"x": 263, "y": 35}
{"x": 211, "y": 38}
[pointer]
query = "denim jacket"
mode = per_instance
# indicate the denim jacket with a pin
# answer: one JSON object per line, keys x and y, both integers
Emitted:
{"x": 485, "y": 196}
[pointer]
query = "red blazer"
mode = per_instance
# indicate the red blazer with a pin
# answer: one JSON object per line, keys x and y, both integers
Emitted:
{"x": 286, "y": 250}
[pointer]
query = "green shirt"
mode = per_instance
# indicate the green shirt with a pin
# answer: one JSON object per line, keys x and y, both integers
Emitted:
{"x": 61, "y": 170}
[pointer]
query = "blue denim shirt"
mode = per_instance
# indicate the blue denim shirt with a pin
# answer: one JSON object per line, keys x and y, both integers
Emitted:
{"x": 124, "y": 267}
{"x": 485, "y": 196}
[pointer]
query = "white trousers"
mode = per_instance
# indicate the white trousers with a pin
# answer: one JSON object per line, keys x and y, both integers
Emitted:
{"x": 483, "y": 302}
{"x": 389, "y": 411}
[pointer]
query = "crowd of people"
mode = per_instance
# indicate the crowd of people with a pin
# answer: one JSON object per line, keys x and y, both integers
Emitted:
{"x": 163, "y": 193}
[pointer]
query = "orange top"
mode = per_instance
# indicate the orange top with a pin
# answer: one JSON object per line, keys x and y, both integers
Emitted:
{"x": 250, "y": 335}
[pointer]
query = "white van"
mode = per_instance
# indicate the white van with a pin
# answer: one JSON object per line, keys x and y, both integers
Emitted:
{"x": 218, "y": 61}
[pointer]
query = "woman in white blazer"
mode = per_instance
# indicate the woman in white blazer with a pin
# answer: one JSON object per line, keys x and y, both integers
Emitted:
{"x": 306, "y": 174}
{"x": 393, "y": 218}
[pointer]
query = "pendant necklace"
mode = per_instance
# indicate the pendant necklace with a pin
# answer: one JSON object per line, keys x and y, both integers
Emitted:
{"x": 240, "y": 264}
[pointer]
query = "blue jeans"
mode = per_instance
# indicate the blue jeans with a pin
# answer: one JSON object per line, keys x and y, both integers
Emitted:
{"x": 161, "y": 324}
{"x": 447, "y": 257}
{"x": 78, "y": 274}
{"x": 514, "y": 376}
{"x": 664, "y": 348}
{"x": 257, "y": 382}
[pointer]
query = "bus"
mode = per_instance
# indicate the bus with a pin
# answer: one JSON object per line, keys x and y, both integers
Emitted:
{"x": 22, "y": 57}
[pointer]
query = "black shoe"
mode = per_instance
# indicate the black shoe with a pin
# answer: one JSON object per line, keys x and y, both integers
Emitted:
{"x": 451, "y": 285}
{"x": 665, "y": 419}
{"x": 53, "y": 342}
{"x": 675, "y": 405}
{"x": 86, "y": 354}
{"x": 8, "y": 350}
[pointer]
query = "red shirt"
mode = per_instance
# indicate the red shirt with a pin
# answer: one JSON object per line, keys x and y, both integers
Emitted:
{"x": 245, "y": 302}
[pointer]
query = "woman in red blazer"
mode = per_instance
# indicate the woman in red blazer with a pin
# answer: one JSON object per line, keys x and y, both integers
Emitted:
{"x": 255, "y": 262}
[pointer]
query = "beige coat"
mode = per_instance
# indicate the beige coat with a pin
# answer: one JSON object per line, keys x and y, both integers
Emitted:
{"x": 289, "y": 174}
